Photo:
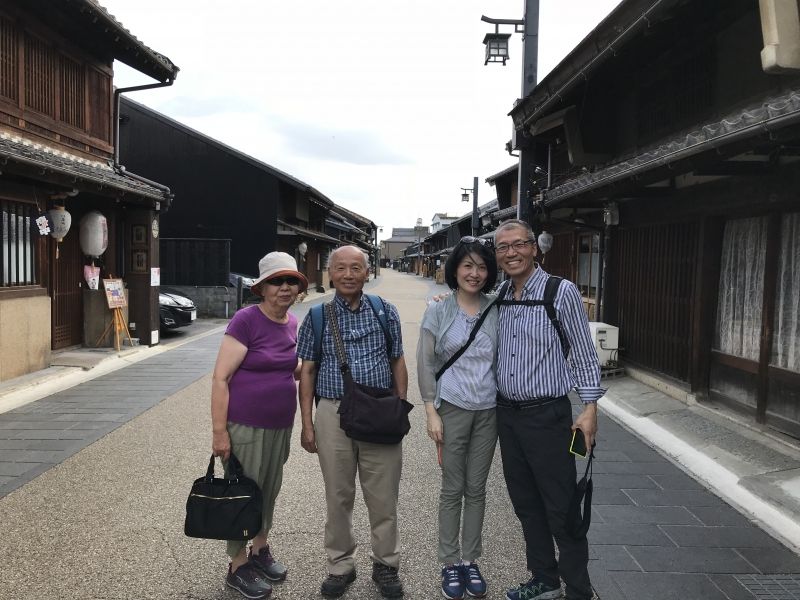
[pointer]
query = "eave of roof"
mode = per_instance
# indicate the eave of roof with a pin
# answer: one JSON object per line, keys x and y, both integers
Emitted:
{"x": 627, "y": 19}
{"x": 765, "y": 118}
{"x": 26, "y": 153}
{"x": 92, "y": 26}
{"x": 310, "y": 233}
{"x": 492, "y": 178}
{"x": 322, "y": 199}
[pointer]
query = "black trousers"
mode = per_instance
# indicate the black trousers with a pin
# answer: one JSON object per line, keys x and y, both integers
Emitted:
{"x": 540, "y": 476}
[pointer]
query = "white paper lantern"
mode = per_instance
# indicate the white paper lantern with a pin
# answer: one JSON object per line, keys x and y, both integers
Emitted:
{"x": 60, "y": 220}
{"x": 94, "y": 234}
{"x": 545, "y": 242}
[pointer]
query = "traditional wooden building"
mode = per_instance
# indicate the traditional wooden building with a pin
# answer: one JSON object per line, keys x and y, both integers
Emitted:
{"x": 222, "y": 193}
{"x": 669, "y": 146}
{"x": 57, "y": 149}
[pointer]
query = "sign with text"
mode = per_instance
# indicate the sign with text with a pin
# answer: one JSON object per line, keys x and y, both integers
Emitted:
{"x": 115, "y": 293}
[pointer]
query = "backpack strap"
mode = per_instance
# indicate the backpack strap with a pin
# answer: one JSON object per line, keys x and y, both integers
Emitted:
{"x": 548, "y": 302}
{"x": 378, "y": 306}
{"x": 317, "y": 316}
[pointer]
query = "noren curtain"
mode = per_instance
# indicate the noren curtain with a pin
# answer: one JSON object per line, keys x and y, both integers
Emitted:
{"x": 741, "y": 285}
{"x": 786, "y": 336}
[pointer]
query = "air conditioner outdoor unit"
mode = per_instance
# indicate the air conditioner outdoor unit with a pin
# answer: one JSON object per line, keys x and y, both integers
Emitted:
{"x": 606, "y": 341}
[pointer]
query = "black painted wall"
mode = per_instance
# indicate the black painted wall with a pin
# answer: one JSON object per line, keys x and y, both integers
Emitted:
{"x": 219, "y": 193}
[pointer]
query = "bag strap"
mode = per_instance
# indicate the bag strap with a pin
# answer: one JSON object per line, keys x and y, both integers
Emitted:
{"x": 378, "y": 306}
{"x": 337, "y": 337}
{"x": 548, "y": 302}
{"x": 463, "y": 348}
{"x": 234, "y": 466}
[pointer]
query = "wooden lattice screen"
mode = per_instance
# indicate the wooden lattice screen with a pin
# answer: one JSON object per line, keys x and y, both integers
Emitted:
{"x": 73, "y": 93}
{"x": 40, "y": 80}
{"x": 9, "y": 60}
{"x": 655, "y": 268}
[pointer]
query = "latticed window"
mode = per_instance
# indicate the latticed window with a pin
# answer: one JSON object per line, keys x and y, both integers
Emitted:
{"x": 40, "y": 76}
{"x": 9, "y": 60}
{"x": 73, "y": 93}
{"x": 99, "y": 105}
{"x": 17, "y": 246}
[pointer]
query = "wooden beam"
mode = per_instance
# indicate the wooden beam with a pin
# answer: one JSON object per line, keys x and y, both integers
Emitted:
{"x": 737, "y": 167}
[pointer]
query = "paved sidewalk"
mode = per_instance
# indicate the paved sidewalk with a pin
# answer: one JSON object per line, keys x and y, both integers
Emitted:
{"x": 104, "y": 517}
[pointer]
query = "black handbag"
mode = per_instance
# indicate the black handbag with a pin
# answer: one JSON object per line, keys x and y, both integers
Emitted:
{"x": 578, "y": 521}
{"x": 368, "y": 414}
{"x": 224, "y": 509}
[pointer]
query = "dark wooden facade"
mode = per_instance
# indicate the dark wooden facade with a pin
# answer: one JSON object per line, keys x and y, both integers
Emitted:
{"x": 688, "y": 152}
{"x": 56, "y": 149}
{"x": 222, "y": 193}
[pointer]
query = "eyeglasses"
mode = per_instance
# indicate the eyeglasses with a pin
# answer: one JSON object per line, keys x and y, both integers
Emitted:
{"x": 517, "y": 246}
{"x": 287, "y": 279}
{"x": 471, "y": 239}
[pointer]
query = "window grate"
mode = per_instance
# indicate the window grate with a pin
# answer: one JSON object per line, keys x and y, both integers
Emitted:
{"x": 9, "y": 60}
{"x": 17, "y": 246}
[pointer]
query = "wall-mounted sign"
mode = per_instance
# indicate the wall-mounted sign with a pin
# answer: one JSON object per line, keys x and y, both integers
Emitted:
{"x": 155, "y": 228}
{"x": 155, "y": 277}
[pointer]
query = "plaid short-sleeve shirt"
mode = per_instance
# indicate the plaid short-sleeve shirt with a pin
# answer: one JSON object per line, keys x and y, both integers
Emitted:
{"x": 364, "y": 343}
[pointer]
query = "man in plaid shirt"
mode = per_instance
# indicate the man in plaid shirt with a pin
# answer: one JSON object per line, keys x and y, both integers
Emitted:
{"x": 371, "y": 363}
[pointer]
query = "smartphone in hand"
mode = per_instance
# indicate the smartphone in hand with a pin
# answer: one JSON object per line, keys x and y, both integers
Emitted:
{"x": 578, "y": 444}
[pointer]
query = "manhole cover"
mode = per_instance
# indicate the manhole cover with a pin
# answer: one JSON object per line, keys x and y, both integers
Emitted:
{"x": 771, "y": 587}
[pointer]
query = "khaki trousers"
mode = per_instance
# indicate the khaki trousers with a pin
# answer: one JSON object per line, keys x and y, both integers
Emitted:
{"x": 262, "y": 453}
{"x": 378, "y": 467}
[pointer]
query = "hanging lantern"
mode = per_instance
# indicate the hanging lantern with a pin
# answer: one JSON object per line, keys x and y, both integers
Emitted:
{"x": 60, "y": 220}
{"x": 94, "y": 234}
{"x": 545, "y": 242}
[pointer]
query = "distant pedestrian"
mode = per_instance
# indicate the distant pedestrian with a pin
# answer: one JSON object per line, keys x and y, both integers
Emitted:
{"x": 375, "y": 363}
{"x": 534, "y": 414}
{"x": 253, "y": 404}
{"x": 460, "y": 408}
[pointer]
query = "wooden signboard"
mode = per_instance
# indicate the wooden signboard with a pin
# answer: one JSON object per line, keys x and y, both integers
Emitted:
{"x": 115, "y": 293}
{"x": 115, "y": 296}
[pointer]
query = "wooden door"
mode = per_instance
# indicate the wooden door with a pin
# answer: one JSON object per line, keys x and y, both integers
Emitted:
{"x": 66, "y": 291}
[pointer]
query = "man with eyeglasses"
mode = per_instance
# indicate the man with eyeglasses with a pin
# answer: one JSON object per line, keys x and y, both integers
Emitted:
{"x": 534, "y": 414}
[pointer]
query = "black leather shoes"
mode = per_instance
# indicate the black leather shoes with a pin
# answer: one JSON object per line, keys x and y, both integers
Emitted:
{"x": 387, "y": 579}
{"x": 335, "y": 585}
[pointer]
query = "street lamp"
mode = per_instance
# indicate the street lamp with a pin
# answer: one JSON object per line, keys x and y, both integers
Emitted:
{"x": 465, "y": 198}
{"x": 529, "y": 27}
{"x": 419, "y": 229}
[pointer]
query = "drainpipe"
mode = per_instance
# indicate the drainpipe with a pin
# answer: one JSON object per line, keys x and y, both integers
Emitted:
{"x": 118, "y": 167}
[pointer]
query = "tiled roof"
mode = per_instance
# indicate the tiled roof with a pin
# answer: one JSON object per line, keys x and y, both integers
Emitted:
{"x": 17, "y": 149}
{"x": 309, "y": 233}
{"x": 135, "y": 59}
{"x": 767, "y": 116}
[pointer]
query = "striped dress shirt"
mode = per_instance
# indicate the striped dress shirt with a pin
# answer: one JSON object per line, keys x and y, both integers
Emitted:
{"x": 364, "y": 344}
{"x": 530, "y": 362}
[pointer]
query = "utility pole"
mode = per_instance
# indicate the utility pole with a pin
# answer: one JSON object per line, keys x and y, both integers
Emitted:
{"x": 530, "y": 51}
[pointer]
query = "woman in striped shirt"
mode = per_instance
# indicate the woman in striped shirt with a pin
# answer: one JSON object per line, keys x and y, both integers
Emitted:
{"x": 460, "y": 407}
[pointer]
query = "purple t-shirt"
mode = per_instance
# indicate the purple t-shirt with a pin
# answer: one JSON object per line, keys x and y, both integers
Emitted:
{"x": 262, "y": 391}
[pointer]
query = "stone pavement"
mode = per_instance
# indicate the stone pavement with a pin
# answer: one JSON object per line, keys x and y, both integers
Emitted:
{"x": 99, "y": 513}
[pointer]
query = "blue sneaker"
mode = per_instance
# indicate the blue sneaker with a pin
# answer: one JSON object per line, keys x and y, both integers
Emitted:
{"x": 534, "y": 589}
{"x": 474, "y": 582}
{"x": 452, "y": 582}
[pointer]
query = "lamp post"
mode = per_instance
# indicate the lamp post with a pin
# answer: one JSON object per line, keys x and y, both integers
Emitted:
{"x": 476, "y": 226}
{"x": 530, "y": 50}
{"x": 418, "y": 228}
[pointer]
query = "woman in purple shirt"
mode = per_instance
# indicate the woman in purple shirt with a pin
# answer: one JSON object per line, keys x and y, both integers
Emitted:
{"x": 253, "y": 402}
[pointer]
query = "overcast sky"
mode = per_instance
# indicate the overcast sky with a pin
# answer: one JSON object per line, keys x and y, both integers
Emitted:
{"x": 384, "y": 106}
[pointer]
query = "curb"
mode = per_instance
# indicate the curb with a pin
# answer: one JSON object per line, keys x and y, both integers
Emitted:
{"x": 721, "y": 481}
